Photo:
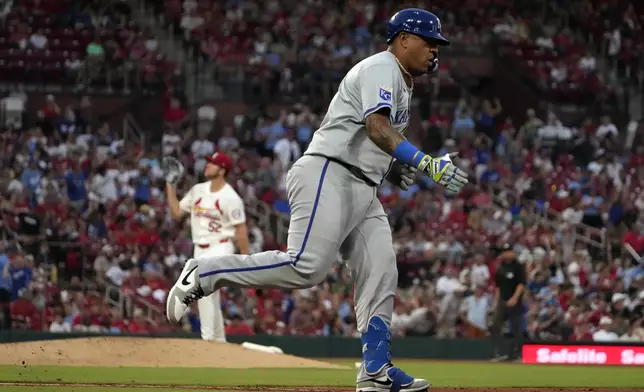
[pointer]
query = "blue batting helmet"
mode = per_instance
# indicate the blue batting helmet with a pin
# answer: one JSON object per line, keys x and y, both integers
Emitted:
{"x": 418, "y": 22}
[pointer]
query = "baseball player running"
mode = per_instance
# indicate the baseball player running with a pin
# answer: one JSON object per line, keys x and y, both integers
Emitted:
{"x": 217, "y": 218}
{"x": 332, "y": 193}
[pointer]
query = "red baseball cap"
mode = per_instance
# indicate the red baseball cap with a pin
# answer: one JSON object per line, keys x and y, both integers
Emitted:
{"x": 222, "y": 160}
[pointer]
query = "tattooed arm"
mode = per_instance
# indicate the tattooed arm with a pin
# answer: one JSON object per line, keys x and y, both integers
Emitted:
{"x": 382, "y": 133}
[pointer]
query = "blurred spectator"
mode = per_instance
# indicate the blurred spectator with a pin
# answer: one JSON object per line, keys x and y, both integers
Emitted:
{"x": 76, "y": 187}
{"x": 287, "y": 150}
{"x": 606, "y": 128}
{"x": 38, "y": 40}
{"x": 605, "y": 333}
{"x": 59, "y": 325}
{"x": 238, "y": 328}
{"x": 475, "y": 313}
{"x": 632, "y": 334}
{"x": 5, "y": 289}
{"x": 588, "y": 63}
{"x": 174, "y": 113}
{"x": 449, "y": 291}
{"x": 171, "y": 142}
{"x": 20, "y": 271}
{"x": 228, "y": 142}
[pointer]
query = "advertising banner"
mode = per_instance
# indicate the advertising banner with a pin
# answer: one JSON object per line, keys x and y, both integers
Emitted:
{"x": 583, "y": 355}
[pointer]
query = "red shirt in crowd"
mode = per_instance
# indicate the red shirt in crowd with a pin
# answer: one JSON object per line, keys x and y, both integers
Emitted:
{"x": 50, "y": 110}
{"x": 458, "y": 217}
{"x": 240, "y": 329}
{"x": 120, "y": 324}
{"x": 558, "y": 204}
{"x": 439, "y": 120}
{"x": 174, "y": 115}
{"x": 147, "y": 238}
{"x": 634, "y": 240}
{"x": 137, "y": 327}
{"x": 583, "y": 337}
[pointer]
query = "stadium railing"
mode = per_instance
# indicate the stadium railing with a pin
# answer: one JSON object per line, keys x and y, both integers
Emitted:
{"x": 132, "y": 129}
{"x": 583, "y": 233}
{"x": 589, "y": 235}
{"x": 117, "y": 297}
{"x": 269, "y": 219}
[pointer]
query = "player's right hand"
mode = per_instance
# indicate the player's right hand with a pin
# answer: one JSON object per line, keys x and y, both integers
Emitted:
{"x": 444, "y": 172}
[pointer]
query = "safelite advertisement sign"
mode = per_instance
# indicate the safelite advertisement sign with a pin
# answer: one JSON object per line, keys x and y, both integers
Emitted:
{"x": 583, "y": 355}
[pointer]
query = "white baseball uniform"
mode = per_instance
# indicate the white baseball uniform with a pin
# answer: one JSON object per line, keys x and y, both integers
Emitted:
{"x": 213, "y": 217}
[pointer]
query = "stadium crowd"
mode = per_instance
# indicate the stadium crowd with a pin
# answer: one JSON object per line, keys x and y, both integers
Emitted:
{"x": 85, "y": 223}
{"x": 83, "y": 44}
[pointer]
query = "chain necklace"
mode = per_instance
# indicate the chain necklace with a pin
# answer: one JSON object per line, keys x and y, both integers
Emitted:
{"x": 406, "y": 73}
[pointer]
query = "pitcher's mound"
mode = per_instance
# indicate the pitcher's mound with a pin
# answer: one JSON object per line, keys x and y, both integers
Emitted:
{"x": 147, "y": 352}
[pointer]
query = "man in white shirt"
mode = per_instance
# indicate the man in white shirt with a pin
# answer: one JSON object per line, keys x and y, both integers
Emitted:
{"x": 287, "y": 150}
{"x": 151, "y": 44}
{"x": 605, "y": 333}
{"x": 74, "y": 63}
{"x": 256, "y": 237}
{"x": 480, "y": 271}
{"x": 59, "y": 325}
{"x": 201, "y": 148}
{"x": 228, "y": 142}
{"x": 614, "y": 42}
{"x": 607, "y": 128}
{"x": 217, "y": 223}
{"x": 474, "y": 311}
{"x": 588, "y": 62}
{"x": 410, "y": 318}
{"x": 171, "y": 142}
{"x": 631, "y": 335}
{"x": 573, "y": 215}
{"x": 38, "y": 40}
{"x": 103, "y": 184}
{"x": 115, "y": 273}
{"x": 449, "y": 289}
{"x": 559, "y": 73}
{"x": 190, "y": 21}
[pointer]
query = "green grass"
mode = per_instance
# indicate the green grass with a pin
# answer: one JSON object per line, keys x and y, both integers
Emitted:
{"x": 91, "y": 389}
{"x": 440, "y": 374}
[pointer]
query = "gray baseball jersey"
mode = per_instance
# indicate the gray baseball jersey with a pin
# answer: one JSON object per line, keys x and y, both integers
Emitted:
{"x": 374, "y": 83}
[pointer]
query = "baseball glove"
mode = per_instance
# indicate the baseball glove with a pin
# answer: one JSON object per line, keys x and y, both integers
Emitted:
{"x": 172, "y": 170}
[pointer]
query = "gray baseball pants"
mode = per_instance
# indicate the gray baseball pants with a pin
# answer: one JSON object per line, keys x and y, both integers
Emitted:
{"x": 331, "y": 211}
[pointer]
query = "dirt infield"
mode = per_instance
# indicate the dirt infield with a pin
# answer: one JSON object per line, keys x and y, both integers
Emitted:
{"x": 125, "y": 352}
{"x": 147, "y": 352}
{"x": 265, "y": 388}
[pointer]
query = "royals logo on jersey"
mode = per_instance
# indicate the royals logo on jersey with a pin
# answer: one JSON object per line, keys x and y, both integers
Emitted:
{"x": 385, "y": 94}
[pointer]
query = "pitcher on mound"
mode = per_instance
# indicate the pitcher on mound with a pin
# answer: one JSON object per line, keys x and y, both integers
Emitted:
{"x": 217, "y": 223}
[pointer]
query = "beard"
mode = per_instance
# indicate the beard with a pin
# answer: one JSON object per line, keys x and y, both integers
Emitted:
{"x": 214, "y": 174}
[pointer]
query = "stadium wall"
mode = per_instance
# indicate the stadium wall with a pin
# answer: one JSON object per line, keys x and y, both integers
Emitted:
{"x": 409, "y": 347}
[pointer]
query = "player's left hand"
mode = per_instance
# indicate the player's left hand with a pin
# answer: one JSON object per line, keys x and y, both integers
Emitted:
{"x": 402, "y": 175}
